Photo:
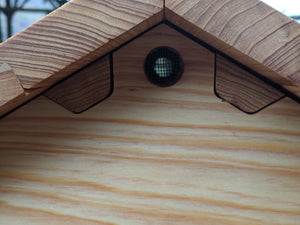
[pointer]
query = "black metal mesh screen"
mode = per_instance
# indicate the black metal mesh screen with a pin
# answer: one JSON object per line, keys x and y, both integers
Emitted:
{"x": 163, "y": 66}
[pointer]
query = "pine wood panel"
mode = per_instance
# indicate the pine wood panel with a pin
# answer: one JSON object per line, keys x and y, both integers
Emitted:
{"x": 85, "y": 88}
{"x": 150, "y": 155}
{"x": 249, "y": 31}
{"x": 241, "y": 88}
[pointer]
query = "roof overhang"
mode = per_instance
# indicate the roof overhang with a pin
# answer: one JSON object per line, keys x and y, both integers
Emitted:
{"x": 78, "y": 33}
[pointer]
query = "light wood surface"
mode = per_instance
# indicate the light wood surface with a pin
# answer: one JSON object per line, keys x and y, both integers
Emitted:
{"x": 150, "y": 155}
{"x": 241, "y": 88}
{"x": 85, "y": 88}
{"x": 249, "y": 31}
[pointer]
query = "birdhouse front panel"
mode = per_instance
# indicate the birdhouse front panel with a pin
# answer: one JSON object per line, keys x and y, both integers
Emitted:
{"x": 158, "y": 148}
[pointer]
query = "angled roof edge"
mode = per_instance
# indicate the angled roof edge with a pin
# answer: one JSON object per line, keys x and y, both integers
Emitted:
{"x": 250, "y": 32}
{"x": 70, "y": 38}
{"x": 76, "y": 34}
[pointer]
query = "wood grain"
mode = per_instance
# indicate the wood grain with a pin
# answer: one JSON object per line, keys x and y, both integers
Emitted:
{"x": 9, "y": 85}
{"x": 250, "y": 31}
{"x": 73, "y": 36}
{"x": 10, "y": 89}
{"x": 151, "y": 155}
{"x": 241, "y": 88}
{"x": 85, "y": 88}
{"x": 82, "y": 31}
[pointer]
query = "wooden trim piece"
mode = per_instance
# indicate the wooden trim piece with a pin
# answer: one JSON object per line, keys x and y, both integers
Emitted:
{"x": 250, "y": 31}
{"x": 74, "y": 36}
{"x": 85, "y": 88}
{"x": 10, "y": 89}
{"x": 242, "y": 89}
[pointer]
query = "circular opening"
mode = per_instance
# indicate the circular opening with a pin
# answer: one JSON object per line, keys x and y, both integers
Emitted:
{"x": 163, "y": 66}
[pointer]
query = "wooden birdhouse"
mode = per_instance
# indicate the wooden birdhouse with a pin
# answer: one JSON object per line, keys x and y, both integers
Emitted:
{"x": 152, "y": 112}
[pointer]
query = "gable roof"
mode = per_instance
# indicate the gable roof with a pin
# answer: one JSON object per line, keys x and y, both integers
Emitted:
{"x": 78, "y": 33}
